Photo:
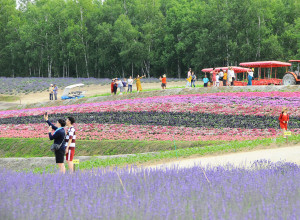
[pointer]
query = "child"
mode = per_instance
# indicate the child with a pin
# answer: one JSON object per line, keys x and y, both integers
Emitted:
{"x": 189, "y": 80}
{"x": 205, "y": 81}
{"x": 217, "y": 80}
{"x": 193, "y": 80}
{"x": 225, "y": 78}
{"x": 284, "y": 120}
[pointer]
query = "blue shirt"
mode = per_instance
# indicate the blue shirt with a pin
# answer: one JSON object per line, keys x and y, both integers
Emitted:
{"x": 205, "y": 80}
{"x": 58, "y": 136}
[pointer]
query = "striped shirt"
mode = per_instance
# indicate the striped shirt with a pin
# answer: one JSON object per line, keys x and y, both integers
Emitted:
{"x": 71, "y": 136}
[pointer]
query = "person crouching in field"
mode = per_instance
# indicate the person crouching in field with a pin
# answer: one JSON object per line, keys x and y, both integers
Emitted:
{"x": 59, "y": 138}
{"x": 284, "y": 120}
{"x": 70, "y": 143}
{"x": 163, "y": 80}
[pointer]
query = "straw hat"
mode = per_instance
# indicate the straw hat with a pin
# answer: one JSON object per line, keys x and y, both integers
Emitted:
{"x": 164, "y": 75}
{"x": 284, "y": 109}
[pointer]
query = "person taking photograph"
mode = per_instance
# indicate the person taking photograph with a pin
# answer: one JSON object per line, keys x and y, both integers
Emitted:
{"x": 59, "y": 138}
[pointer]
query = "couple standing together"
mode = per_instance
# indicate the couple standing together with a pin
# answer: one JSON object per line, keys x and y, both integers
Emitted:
{"x": 66, "y": 141}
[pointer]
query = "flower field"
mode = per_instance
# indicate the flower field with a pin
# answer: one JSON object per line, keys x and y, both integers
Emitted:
{"x": 267, "y": 191}
{"x": 215, "y": 116}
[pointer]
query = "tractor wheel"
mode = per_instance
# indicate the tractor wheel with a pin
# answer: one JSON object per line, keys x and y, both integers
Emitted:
{"x": 288, "y": 79}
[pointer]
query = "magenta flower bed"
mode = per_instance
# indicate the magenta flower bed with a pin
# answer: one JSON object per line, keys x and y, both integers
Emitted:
{"x": 142, "y": 132}
{"x": 248, "y": 109}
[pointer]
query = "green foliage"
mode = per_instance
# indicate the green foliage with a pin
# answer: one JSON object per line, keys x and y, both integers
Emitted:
{"x": 113, "y": 38}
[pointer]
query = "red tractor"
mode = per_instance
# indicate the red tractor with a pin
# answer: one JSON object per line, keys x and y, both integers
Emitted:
{"x": 290, "y": 77}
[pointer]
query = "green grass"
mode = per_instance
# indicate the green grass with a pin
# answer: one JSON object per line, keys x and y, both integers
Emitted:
{"x": 217, "y": 148}
{"x": 8, "y": 98}
{"x": 232, "y": 146}
{"x": 40, "y": 147}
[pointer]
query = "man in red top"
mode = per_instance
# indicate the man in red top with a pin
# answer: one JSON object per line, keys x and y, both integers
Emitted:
{"x": 163, "y": 81}
{"x": 284, "y": 120}
{"x": 112, "y": 86}
{"x": 70, "y": 143}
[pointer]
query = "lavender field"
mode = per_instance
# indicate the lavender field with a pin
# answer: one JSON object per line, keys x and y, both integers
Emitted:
{"x": 267, "y": 191}
{"x": 13, "y": 86}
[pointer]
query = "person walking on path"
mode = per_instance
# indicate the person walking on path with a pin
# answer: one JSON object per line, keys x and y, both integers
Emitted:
{"x": 130, "y": 82}
{"x": 284, "y": 120}
{"x": 163, "y": 80}
{"x": 231, "y": 75}
{"x": 70, "y": 143}
{"x": 59, "y": 138}
{"x": 138, "y": 83}
{"x": 189, "y": 80}
{"x": 51, "y": 92}
{"x": 112, "y": 86}
{"x": 205, "y": 81}
{"x": 225, "y": 78}
{"x": 221, "y": 75}
{"x": 193, "y": 80}
{"x": 120, "y": 86}
{"x": 124, "y": 85}
{"x": 213, "y": 74}
{"x": 217, "y": 80}
{"x": 250, "y": 77}
{"x": 189, "y": 72}
{"x": 55, "y": 91}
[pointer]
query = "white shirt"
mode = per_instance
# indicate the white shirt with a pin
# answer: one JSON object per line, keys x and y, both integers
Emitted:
{"x": 231, "y": 73}
{"x": 217, "y": 78}
{"x": 130, "y": 81}
{"x": 251, "y": 73}
{"x": 221, "y": 74}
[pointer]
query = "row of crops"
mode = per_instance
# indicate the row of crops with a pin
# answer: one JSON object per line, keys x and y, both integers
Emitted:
{"x": 220, "y": 116}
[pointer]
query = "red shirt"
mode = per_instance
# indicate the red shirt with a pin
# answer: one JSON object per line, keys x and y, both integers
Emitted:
{"x": 164, "y": 80}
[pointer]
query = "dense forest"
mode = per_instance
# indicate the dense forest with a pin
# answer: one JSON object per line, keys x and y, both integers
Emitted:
{"x": 96, "y": 38}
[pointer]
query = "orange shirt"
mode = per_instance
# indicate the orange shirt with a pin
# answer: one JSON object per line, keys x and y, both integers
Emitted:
{"x": 164, "y": 80}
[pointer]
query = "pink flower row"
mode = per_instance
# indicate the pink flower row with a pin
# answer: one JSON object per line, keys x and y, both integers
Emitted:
{"x": 141, "y": 132}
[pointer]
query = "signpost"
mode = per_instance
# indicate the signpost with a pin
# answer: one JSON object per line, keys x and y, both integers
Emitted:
{"x": 76, "y": 161}
{"x": 286, "y": 134}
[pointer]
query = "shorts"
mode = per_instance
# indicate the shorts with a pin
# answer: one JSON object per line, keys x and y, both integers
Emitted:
{"x": 164, "y": 85}
{"x": 70, "y": 154}
{"x": 59, "y": 155}
{"x": 205, "y": 84}
{"x": 221, "y": 78}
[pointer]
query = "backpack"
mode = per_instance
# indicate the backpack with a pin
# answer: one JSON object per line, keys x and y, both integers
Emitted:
{"x": 124, "y": 84}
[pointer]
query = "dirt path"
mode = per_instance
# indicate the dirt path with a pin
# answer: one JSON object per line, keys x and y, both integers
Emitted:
{"x": 241, "y": 159}
{"x": 90, "y": 90}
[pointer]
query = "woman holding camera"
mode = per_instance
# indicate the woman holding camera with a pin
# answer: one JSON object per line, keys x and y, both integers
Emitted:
{"x": 59, "y": 138}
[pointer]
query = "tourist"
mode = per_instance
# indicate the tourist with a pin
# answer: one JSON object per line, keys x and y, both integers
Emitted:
{"x": 193, "y": 80}
{"x": 51, "y": 92}
{"x": 115, "y": 86}
{"x": 221, "y": 75}
{"x": 284, "y": 120}
{"x": 231, "y": 75}
{"x": 189, "y": 80}
{"x": 112, "y": 86}
{"x": 138, "y": 83}
{"x": 55, "y": 90}
{"x": 163, "y": 80}
{"x": 130, "y": 82}
{"x": 205, "y": 80}
{"x": 225, "y": 78}
{"x": 70, "y": 143}
{"x": 59, "y": 138}
{"x": 189, "y": 72}
{"x": 217, "y": 80}
{"x": 213, "y": 74}
{"x": 124, "y": 84}
{"x": 120, "y": 86}
{"x": 250, "y": 77}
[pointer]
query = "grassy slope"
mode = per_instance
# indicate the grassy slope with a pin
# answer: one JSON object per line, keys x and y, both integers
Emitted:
{"x": 18, "y": 147}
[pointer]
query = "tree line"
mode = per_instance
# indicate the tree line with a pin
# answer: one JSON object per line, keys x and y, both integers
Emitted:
{"x": 96, "y": 38}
